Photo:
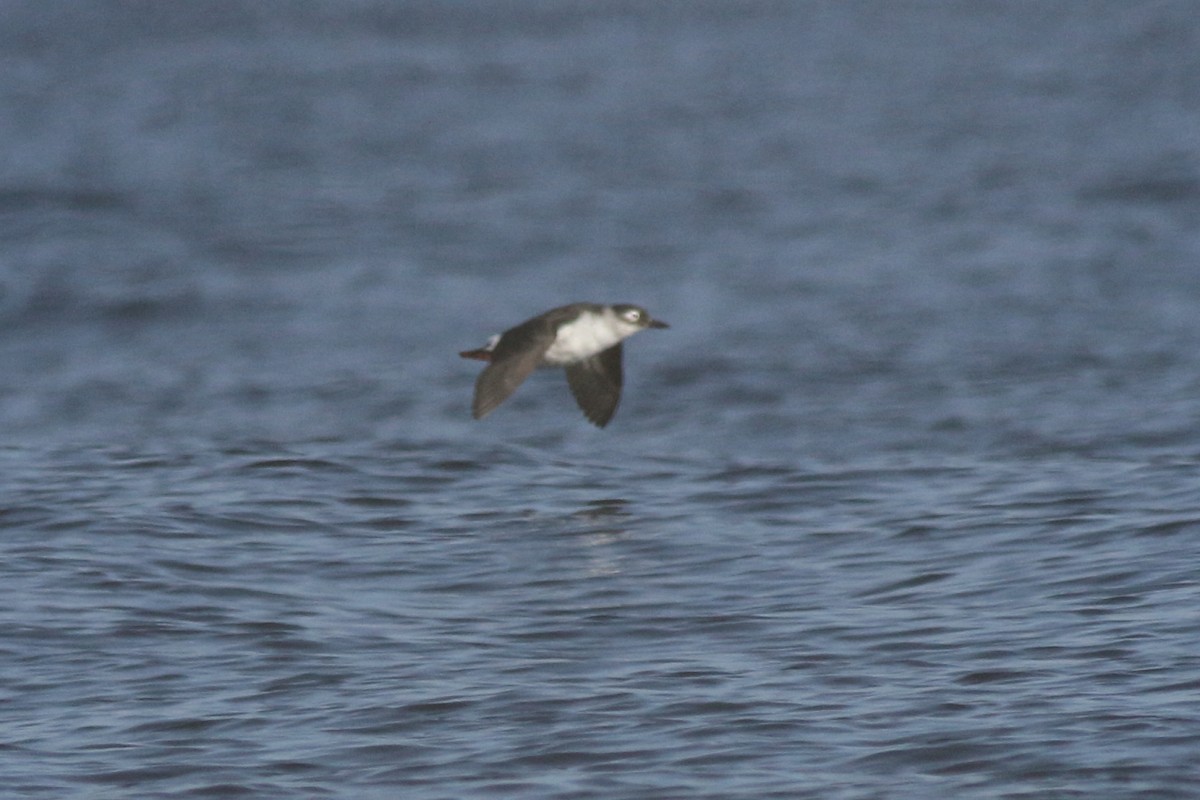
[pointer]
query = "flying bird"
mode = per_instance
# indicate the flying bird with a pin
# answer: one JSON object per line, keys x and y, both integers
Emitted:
{"x": 585, "y": 338}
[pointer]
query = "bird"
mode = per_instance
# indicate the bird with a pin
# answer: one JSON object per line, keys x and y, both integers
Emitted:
{"x": 585, "y": 338}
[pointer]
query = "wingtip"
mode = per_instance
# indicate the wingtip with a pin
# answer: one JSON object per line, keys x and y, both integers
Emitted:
{"x": 599, "y": 418}
{"x": 479, "y": 410}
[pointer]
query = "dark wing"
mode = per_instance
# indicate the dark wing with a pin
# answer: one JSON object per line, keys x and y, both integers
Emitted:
{"x": 517, "y": 354}
{"x": 596, "y": 384}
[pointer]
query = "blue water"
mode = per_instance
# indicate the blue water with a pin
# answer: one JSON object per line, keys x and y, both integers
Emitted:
{"x": 906, "y": 503}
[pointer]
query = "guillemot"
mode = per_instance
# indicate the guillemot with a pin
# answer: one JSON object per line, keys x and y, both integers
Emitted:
{"x": 585, "y": 338}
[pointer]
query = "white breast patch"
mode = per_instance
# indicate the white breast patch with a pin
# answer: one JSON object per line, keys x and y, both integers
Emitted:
{"x": 586, "y": 336}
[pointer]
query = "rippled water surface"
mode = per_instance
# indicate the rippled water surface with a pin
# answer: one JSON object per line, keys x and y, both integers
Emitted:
{"x": 905, "y": 503}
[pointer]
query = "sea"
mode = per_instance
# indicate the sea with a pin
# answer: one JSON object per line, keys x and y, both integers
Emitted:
{"x": 904, "y": 504}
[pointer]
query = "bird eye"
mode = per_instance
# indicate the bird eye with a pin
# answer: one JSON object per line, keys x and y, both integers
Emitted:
{"x": 633, "y": 315}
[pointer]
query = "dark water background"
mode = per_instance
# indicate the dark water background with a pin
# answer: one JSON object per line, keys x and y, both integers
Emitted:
{"x": 905, "y": 504}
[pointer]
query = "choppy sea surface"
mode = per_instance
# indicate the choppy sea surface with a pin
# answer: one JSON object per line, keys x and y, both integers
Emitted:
{"x": 906, "y": 502}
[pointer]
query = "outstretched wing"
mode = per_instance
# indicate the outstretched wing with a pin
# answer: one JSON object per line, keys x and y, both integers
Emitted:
{"x": 596, "y": 384}
{"x": 516, "y": 354}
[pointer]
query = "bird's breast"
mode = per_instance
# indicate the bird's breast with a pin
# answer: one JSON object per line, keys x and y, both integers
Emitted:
{"x": 579, "y": 339}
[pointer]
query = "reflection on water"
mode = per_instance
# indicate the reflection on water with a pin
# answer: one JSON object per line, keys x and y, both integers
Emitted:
{"x": 604, "y": 525}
